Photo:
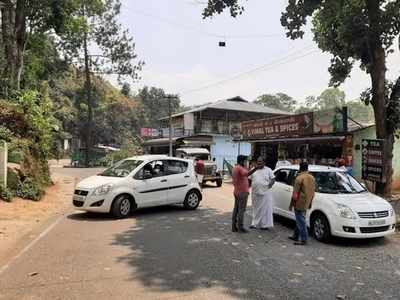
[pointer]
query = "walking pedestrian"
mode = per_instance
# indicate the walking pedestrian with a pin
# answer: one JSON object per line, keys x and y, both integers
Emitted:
{"x": 262, "y": 181}
{"x": 199, "y": 169}
{"x": 240, "y": 178}
{"x": 303, "y": 195}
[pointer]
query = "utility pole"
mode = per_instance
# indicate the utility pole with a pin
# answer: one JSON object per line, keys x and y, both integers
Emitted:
{"x": 169, "y": 98}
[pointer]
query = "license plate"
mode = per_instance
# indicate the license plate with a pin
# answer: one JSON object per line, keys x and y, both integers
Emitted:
{"x": 376, "y": 222}
{"x": 78, "y": 198}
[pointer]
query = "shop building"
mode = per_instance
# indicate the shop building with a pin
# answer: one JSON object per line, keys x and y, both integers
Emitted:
{"x": 214, "y": 126}
{"x": 320, "y": 137}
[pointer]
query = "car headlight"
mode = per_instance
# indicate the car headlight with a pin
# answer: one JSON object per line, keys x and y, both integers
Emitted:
{"x": 102, "y": 190}
{"x": 345, "y": 212}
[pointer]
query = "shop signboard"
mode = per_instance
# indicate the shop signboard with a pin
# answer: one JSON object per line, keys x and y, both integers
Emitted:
{"x": 373, "y": 167}
{"x": 330, "y": 121}
{"x": 149, "y": 132}
{"x": 285, "y": 126}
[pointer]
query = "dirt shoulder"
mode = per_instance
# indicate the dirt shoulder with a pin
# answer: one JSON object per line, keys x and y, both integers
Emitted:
{"x": 21, "y": 220}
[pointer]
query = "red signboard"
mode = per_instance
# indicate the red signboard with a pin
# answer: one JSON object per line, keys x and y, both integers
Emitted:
{"x": 149, "y": 132}
{"x": 295, "y": 125}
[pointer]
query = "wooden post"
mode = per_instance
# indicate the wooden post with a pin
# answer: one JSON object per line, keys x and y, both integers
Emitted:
{"x": 3, "y": 164}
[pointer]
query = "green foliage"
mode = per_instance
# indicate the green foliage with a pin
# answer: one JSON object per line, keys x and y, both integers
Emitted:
{"x": 279, "y": 101}
{"x": 13, "y": 179}
{"x": 36, "y": 108}
{"x": 129, "y": 148}
{"x": 155, "y": 105}
{"x": 6, "y": 194}
{"x": 30, "y": 189}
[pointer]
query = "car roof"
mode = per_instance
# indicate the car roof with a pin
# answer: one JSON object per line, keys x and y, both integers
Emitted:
{"x": 313, "y": 168}
{"x": 155, "y": 157}
{"x": 194, "y": 150}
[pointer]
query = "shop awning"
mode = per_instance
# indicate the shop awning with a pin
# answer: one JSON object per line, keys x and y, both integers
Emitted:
{"x": 300, "y": 139}
{"x": 159, "y": 142}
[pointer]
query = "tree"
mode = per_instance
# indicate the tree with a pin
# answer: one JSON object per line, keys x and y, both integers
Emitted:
{"x": 19, "y": 20}
{"x": 360, "y": 112}
{"x": 155, "y": 104}
{"x": 279, "y": 101}
{"x": 363, "y": 31}
{"x": 331, "y": 98}
{"x": 95, "y": 25}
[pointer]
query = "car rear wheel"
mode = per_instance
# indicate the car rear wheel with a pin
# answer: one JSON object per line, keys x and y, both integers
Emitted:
{"x": 192, "y": 200}
{"x": 121, "y": 207}
{"x": 219, "y": 182}
{"x": 320, "y": 227}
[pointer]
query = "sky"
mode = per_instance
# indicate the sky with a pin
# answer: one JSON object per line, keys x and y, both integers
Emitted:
{"x": 182, "y": 55}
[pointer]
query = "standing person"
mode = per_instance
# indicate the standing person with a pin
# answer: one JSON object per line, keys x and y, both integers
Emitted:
{"x": 199, "y": 169}
{"x": 261, "y": 197}
{"x": 240, "y": 178}
{"x": 303, "y": 195}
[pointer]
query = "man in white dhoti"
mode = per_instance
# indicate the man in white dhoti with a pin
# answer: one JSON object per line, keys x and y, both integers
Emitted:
{"x": 262, "y": 202}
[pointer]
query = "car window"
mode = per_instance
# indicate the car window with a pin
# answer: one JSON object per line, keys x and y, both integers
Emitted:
{"x": 337, "y": 182}
{"x": 122, "y": 168}
{"x": 175, "y": 167}
{"x": 283, "y": 176}
{"x": 156, "y": 169}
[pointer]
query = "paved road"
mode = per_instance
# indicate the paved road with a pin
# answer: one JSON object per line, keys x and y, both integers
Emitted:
{"x": 170, "y": 253}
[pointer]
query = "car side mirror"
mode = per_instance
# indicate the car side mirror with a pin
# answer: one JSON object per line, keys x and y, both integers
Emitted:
{"x": 147, "y": 175}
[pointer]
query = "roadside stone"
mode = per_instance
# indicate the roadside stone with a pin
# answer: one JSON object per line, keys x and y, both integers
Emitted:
{"x": 341, "y": 271}
{"x": 321, "y": 258}
{"x": 236, "y": 261}
{"x": 235, "y": 244}
{"x": 298, "y": 274}
{"x": 358, "y": 268}
{"x": 360, "y": 283}
{"x": 378, "y": 292}
{"x": 33, "y": 274}
{"x": 341, "y": 297}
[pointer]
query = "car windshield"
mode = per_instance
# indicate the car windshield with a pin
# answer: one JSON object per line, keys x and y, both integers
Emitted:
{"x": 122, "y": 168}
{"x": 337, "y": 183}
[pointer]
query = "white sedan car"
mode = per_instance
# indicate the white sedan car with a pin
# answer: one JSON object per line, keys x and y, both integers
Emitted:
{"x": 341, "y": 207}
{"x": 137, "y": 182}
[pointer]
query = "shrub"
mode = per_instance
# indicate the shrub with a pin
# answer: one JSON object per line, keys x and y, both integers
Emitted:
{"x": 6, "y": 194}
{"x": 15, "y": 157}
{"x": 30, "y": 189}
{"x": 12, "y": 179}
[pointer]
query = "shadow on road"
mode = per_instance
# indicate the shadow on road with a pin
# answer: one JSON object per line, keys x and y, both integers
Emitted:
{"x": 173, "y": 250}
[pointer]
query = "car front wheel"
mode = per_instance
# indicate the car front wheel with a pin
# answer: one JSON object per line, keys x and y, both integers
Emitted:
{"x": 320, "y": 227}
{"x": 121, "y": 207}
{"x": 192, "y": 200}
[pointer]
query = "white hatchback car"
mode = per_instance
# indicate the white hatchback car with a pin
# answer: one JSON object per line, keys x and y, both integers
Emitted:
{"x": 137, "y": 182}
{"x": 341, "y": 207}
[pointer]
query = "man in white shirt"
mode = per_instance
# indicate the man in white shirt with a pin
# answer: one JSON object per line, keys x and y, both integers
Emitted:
{"x": 262, "y": 202}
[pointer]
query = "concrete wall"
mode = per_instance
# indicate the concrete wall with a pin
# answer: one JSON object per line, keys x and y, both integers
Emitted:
{"x": 369, "y": 133}
{"x": 224, "y": 148}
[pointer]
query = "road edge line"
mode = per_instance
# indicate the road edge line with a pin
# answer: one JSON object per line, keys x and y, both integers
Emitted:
{"x": 30, "y": 245}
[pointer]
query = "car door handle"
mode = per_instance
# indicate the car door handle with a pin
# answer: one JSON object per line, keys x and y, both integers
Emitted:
{"x": 164, "y": 180}
{"x": 187, "y": 176}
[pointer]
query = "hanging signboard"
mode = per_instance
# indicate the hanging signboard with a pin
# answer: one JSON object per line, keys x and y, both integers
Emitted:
{"x": 295, "y": 125}
{"x": 373, "y": 166}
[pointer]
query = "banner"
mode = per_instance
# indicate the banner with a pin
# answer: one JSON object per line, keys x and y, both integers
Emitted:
{"x": 295, "y": 125}
{"x": 149, "y": 132}
{"x": 330, "y": 121}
